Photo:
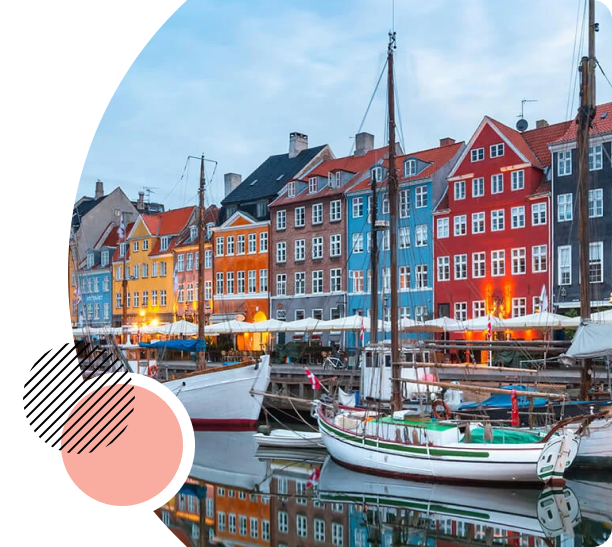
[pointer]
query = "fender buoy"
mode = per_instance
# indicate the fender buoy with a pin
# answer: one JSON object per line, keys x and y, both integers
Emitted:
{"x": 440, "y": 410}
{"x": 153, "y": 371}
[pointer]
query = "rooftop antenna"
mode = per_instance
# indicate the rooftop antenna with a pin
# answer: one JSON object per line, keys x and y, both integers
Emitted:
{"x": 522, "y": 124}
{"x": 149, "y": 190}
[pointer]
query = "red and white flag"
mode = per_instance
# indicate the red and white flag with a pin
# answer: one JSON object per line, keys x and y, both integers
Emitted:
{"x": 314, "y": 478}
{"x": 362, "y": 333}
{"x": 121, "y": 230}
{"x": 314, "y": 381}
{"x": 489, "y": 328}
{"x": 77, "y": 294}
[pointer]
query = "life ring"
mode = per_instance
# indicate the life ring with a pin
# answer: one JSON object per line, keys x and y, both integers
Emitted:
{"x": 440, "y": 410}
{"x": 153, "y": 371}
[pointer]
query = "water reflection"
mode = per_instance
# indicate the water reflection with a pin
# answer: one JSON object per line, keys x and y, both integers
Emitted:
{"x": 240, "y": 495}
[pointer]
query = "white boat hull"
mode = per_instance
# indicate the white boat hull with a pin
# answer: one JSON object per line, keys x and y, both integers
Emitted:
{"x": 289, "y": 439}
{"x": 462, "y": 462}
{"x": 595, "y": 444}
{"x": 223, "y": 398}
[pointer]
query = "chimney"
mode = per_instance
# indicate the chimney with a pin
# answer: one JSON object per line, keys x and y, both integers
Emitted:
{"x": 99, "y": 189}
{"x": 541, "y": 123}
{"x": 364, "y": 142}
{"x": 297, "y": 143}
{"x": 447, "y": 141}
{"x": 140, "y": 204}
{"x": 232, "y": 181}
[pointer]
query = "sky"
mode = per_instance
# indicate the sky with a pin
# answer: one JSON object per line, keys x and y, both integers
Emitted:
{"x": 232, "y": 79}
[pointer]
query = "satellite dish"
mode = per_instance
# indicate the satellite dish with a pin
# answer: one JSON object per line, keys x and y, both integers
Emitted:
{"x": 522, "y": 124}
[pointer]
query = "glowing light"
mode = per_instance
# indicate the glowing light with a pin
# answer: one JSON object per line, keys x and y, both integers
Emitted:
{"x": 142, "y": 313}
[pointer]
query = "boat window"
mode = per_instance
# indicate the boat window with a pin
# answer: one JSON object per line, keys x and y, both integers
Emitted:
{"x": 387, "y": 360}
{"x": 368, "y": 359}
{"x": 425, "y": 357}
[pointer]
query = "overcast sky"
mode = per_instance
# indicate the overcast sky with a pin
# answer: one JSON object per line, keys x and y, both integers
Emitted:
{"x": 232, "y": 79}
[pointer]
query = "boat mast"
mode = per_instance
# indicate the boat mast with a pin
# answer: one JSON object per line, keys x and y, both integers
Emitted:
{"x": 201, "y": 355}
{"x": 396, "y": 392}
{"x": 586, "y": 114}
{"x": 374, "y": 263}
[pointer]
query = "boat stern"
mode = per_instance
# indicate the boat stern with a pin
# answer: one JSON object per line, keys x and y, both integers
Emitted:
{"x": 556, "y": 456}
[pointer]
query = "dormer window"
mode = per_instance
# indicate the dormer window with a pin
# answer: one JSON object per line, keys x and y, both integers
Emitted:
{"x": 376, "y": 173}
{"x": 313, "y": 185}
{"x": 410, "y": 168}
{"x": 90, "y": 260}
{"x": 165, "y": 243}
{"x": 291, "y": 189}
{"x": 193, "y": 233}
{"x": 105, "y": 257}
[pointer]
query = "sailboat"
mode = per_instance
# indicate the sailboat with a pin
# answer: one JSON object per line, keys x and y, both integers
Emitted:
{"x": 427, "y": 449}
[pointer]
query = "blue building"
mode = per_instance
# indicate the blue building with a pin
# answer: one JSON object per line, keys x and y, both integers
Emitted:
{"x": 422, "y": 183}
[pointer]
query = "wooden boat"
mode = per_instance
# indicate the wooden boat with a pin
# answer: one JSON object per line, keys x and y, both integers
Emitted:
{"x": 284, "y": 438}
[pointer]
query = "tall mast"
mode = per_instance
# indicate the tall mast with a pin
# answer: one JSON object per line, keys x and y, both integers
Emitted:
{"x": 201, "y": 355}
{"x": 396, "y": 393}
{"x": 124, "y": 282}
{"x": 374, "y": 262}
{"x": 586, "y": 114}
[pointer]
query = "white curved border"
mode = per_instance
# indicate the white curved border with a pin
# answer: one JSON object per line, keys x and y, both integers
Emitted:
{"x": 184, "y": 422}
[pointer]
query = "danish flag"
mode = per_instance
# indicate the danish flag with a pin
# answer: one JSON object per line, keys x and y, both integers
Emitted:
{"x": 314, "y": 381}
{"x": 121, "y": 229}
{"x": 362, "y": 332}
{"x": 489, "y": 328}
{"x": 314, "y": 478}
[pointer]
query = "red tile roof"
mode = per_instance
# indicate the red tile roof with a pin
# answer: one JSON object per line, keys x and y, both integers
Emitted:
{"x": 539, "y": 139}
{"x": 116, "y": 256}
{"x": 516, "y": 138}
{"x": 600, "y": 126}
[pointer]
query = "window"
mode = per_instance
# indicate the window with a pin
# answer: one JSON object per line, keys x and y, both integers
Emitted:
{"x": 165, "y": 243}
{"x": 410, "y": 168}
{"x": 357, "y": 207}
{"x": 443, "y": 230}
{"x": 145, "y": 244}
{"x": 357, "y": 280}
{"x": 319, "y": 530}
{"x": 421, "y": 235}
{"x": 154, "y": 297}
{"x": 337, "y": 534}
{"x": 262, "y": 209}
{"x": 231, "y": 285}
{"x": 317, "y": 314}
{"x": 317, "y": 281}
{"x": 460, "y": 225}
{"x": 376, "y": 174}
{"x": 335, "y": 279}
{"x": 385, "y": 203}
{"x": 595, "y": 157}
{"x": 443, "y": 268}
{"x": 497, "y": 220}
{"x": 477, "y": 154}
{"x": 254, "y": 527}
{"x": 300, "y": 283}
{"x": 596, "y": 203}
{"x": 163, "y": 297}
{"x": 263, "y": 242}
{"x": 519, "y": 307}
{"x": 478, "y": 223}
{"x": 420, "y": 313}
{"x": 386, "y": 240}
{"x": 96, "y": 283}
{"x": 240, "y": 284}
{"x": 497, "y": 183}
{"x": 564, "y": 207}
{"x": 189, "y": 294}
{"x": 498, "y": 263}
{"x": 301, "y": 524}
{"x": 231, "y": 522}
{"x": 335, "y": 242}
{"x": 317, "y": 247}
{"x": 596, "y": 262}
{"x": 252, "y": 243}
{"x": 240, "y": 245}
{"x": 300, "y": 250}
{"x": 461, "y": 266}
{"x": 538, "y": 258}
{"x": 291, "y": 189}
{"x": 207, "y": 290}
{"x": 564, "y": 163}
{"x": 404, "y": 278}
{"x": 420, "y": 197}
{"x": 221, "y": 522}
{"x": 300, "y": 217}
{"x": 154, "y": 269}
{"x": 538, "y": 214}
{"x": 478, "y": 187}
{"x": 105, "y": 258}
{"x": 335, "y": 211}
{"x": 421, "y": 276}
{"x": 300, "y": 490}
{"x": 479, "y": 308}
{"x": 281, "y": 220}
{"x": 518, "y": 217}
{"x": 404, "y": 203}
{"x": 219, "y": 288}
{"x": 136, "y": 246}
{"x": 242, "y": 524}
{"x": 180, "y": 264}
{"x": 461, "y": 311}
{"x": 460, "y": 189}
{"x": 519, "y": 261}
{"x": 263, "y": 280}
{"x": 386, "y": 277}
{"x": 252, "y": 287}
{"x": 496, "y": 150}
{"x": 122, "y": 249}
{"x": 220, "y": 243}
{"x": 317, "y": 213}
{"x": 265, "y": 530}
{"x": 283, "y": 522}
{"x": 518, "y": 180}
{"x": 281, "y": 284}
{"x": 404, "y": 237}
{"x": 281, "y": 252}
{"x": 106, "y": 283}
{"x": 564, "y": 255}
{"x": 313, "y": 185}
{"x": 357, "y": 243}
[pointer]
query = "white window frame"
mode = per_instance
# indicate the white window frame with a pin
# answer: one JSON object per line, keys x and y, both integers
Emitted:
{"x": 443, "y": 227}
{"x": 517, "y": 214}
{"x": 460, "y": 190}
{"x": 517, "y": 180}
{"x": 281, "y": 220}
{"x": 563, "y": 268}
{"x": 317, "y": 213}
{"x": 539, "y": 214}
{"x": 497, "y": 150}
{"x": 477, "y": 154}
{"x": 497, "y": 183}
{"x": 478, "y": 223}
{"x": 478, "y": 187}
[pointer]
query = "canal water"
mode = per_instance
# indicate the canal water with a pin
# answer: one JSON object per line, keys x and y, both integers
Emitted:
{"x": 240, "y": 495}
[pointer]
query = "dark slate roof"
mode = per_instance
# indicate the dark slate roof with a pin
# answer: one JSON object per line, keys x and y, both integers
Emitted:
{"x": 82, "y": 209}
{"x": 271, "y": 176}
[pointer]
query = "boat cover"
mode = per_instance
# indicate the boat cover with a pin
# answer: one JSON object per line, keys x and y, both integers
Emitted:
{"x": 591, "y": 340}
{"x": 182, "y": 345}
{"x": 501, "y": 400}
{"x": 505, "y": 436}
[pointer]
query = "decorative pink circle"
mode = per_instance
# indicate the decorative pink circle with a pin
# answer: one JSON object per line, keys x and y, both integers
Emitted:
{"x": 140, "y": 463}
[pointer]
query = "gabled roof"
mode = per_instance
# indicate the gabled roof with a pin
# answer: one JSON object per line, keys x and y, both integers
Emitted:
{"x": 268, "y": 179}
{"x": 436, "y": 157}
{"x": 539, "y": 139}
{"x": 515, "y": 138}
{"x": 600, "y": 126}
{"x": 83, "y": 207}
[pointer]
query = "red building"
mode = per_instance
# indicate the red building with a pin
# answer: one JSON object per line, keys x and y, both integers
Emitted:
{"x": 492, "y": 228}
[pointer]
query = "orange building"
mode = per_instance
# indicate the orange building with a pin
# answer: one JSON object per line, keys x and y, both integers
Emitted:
{"x": 240, "y": 283}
